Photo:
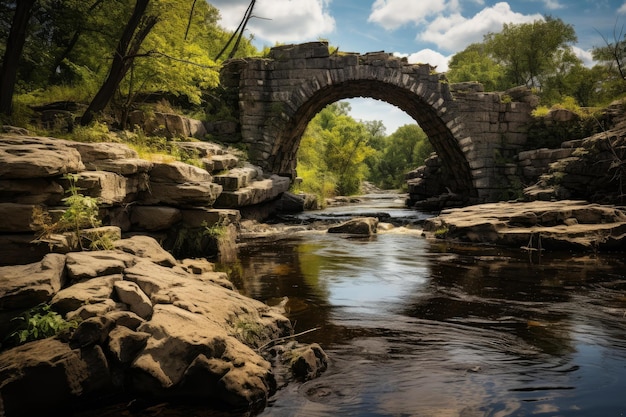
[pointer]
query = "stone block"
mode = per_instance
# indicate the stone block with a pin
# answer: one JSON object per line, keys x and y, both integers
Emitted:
{"x": 200, "y": 217}
{"x": 16, "y": 218}
{"x": 154, "y": 218}
{"x": 224, "y": 162}
{"x": 192, "y": 193}
{"x": 31, "y": 191}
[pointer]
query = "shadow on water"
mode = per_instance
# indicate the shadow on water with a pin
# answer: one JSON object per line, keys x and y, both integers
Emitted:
{"x": 415, "y": 328}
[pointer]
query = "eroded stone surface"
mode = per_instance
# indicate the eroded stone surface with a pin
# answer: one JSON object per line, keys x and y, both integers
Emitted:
{"x": 560, "y": 225}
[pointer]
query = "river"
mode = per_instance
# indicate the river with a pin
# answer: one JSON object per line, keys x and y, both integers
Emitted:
{"x": 420, "y": 328}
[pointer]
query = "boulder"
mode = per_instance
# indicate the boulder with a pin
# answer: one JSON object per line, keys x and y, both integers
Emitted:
{"x": 185, "y": 194}
{"x": 146, "y": 247}
{"x": 48, "y": 375}
{"x": 358, "y": 226}
{"x": 92, "y": 291}
{"x": 125, "y": 343}
{"x": 307, "y": 362}
{"x": 91, "y": 331}
{"x": 24, "y": 157}
{"x": 153, "y": 218}
{"x": 87, "y": 265}
{"x": 92, "y": 152}
{"x": 109, "y": 188}
{"x": 178, "y": 173}
{"x": 129, "y": 292}
{"x": 31, "y": 191}
{"x": 25, "y": 286}
{"x": 16, "y": 218}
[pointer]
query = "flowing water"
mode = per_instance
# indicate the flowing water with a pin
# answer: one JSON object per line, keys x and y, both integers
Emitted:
{"x": 420, "y": 328}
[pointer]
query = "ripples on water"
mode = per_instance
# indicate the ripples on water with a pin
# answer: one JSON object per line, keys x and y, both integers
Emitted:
{"x": 415, "y": 328}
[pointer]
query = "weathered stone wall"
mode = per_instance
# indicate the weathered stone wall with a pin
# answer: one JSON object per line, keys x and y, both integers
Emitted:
{"x": 476, "y": 134}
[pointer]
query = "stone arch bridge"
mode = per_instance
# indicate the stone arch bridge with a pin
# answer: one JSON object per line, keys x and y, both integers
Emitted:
{"x": 475, "y": 134}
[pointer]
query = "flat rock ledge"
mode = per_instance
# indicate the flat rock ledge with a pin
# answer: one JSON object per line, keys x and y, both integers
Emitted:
{"x": 149, "y": 327}
{"x": 538, "y": 225}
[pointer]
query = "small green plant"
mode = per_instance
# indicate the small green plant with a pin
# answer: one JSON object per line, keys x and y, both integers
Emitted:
{"x": 442, "y": 232}
{"x": 37, "y": 323}
{"x": 81, "y": 213}
{"x": 249, "y": 332}
{"x": 540, "y": 111}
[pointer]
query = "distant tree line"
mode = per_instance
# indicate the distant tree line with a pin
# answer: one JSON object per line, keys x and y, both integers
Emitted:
{"x": 539, "y": 55}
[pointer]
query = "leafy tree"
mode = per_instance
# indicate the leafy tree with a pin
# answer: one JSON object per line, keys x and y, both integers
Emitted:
{"x": 137, "y": 28}
{"x": 404, "y": 150}
{"x": 474, "y": 64}
{"x": 16, "y": 39}
{"x": 612, "y": 65}
{"x": 531, "y": 52}
{"x": 333, "y": 150}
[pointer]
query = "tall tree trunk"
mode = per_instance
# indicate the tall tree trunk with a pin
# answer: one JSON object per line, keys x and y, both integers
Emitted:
{"x": 13, "y": 53}
{"x": 136, "y": 30}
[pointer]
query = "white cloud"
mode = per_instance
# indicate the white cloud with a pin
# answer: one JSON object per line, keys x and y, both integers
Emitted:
{"x": 455, "y": 32}
{"x": 553, "y": 5}
{"x": 428, "y": 56}
{"x": 391, "y": 14}
{"x": 622, "y": 9}
{"x": 280, "y": 20}
{"x": 585, "y": 56}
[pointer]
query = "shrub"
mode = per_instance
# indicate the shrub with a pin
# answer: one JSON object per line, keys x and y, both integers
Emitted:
{"x": 37, "y": 323}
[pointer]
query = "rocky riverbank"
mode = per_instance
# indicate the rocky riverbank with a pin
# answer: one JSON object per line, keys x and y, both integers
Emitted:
{"x": 534, "y": 226}
{"x": 145, "y": 326}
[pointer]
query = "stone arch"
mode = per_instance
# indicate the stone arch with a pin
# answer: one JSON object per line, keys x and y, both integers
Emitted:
{"x": 476, "y": 134}
{"x": 428, "y": 112}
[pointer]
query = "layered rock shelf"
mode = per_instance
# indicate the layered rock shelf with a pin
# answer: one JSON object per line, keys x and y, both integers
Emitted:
{"x": 136, "y": 195}
{"x": 538, "y": 225}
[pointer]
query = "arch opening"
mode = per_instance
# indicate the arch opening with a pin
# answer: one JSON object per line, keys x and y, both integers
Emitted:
{"x": 425, "y": 115}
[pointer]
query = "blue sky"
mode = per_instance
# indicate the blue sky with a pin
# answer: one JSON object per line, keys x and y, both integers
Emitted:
{"x": 423, "y": 30}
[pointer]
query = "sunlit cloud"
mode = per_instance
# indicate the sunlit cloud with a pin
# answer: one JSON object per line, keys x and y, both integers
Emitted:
{"x": 428, "y": 56}
{"x": 455, "y": 32}
{"x": 391, "y": 14}
{"x": 585, "y": 56}
{"x": 622, "y": 9}
{"x": 280, "y": 20}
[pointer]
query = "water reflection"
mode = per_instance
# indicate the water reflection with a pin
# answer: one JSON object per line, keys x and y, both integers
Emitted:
{"x": 417, "y": 329}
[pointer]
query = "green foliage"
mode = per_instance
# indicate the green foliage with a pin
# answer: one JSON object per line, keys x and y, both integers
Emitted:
{"x": 250, "y": 332}
{"x": 39, "y": 322}
{"x": 198, "y": 241}
{"x": 81, "y": 213}
{"x": 404, "y": 150}
{"x": 475, "y": 64}
{"x": 442, "y": 232}
{"x": 531, "y": 52}
{"x": 69, "y": 46}
{"x": 332, "y": 153}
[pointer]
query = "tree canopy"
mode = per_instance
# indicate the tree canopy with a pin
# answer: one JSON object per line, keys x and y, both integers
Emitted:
{"x": 164, "y": 47}
{"x": 540, "y": 55}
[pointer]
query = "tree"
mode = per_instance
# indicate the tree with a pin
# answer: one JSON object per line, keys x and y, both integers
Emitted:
{"x": 12, "y": 53}
{"x": 136, "y": 30}
{"x": 474, "y": 64}
{"x": 333, "y": 151}
{"x": 404, "y": 150}
{"x": 530, "y": 52}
